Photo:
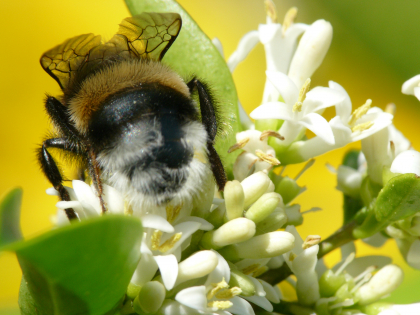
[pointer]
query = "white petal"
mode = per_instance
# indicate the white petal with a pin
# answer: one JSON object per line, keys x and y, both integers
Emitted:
{"x": 380, "y": 121}
{"x": 171, "y": 307}
{"x": 319, "y": 126}
{"x": 244, "y": 165}
{"x": 413, "y": 255}
{"x": 272, "y": 110}
{"x": 271, "y": 293}
{"x": 287, "y": 89}
{"x": 306, "y": 260}
{"x": 113, "y": 199}
{"x": 246, "y": 44}
{"x": 409, "y": 85}
{"x": 343, "y": 108}
{"x": 259, "y": 289}
{"x": 168, "y": 266}
{"x": 194, "y": 297}
{"x": 406, "y": 309}
{"x": 145, "y": 271}
{"x": 359, "y": 264}
{"x": 240, "y": 306}
{"x": 310, "y": 52}
{"x": 267, "y": 32}
{"x": 216, "y": 42}
{"x": 417, "y": 92}
{"x": 321, "y": 97}
{"x": 342, "y": 133}
{"x": 261, "y": 301}
{"x": 86, "y": 196}
{"x": 222, "y": 271}
{"x": 156, "y": 222}
{"x": 52, "y": 192}
{"x": 186, "y": 228}
{"x": 407, "y": 162}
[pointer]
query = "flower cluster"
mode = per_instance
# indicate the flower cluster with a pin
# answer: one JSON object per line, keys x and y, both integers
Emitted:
{"x": 216, "y": 254}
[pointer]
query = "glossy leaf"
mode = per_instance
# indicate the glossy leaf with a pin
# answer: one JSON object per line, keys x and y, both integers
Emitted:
{"x": 399, "y": 199}
{"x": 193, "y": 53}
{"x": 9, "y": 217}
{"x": 83, "y": 268}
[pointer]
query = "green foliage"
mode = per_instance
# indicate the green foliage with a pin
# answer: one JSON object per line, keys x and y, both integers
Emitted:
{"x": 193, "y": 53}
{"x": 82, "y": 268}
{"x": 9, "y": 217}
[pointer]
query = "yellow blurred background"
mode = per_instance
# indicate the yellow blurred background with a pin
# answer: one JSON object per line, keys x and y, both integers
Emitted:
{"x": 364, "y": 58}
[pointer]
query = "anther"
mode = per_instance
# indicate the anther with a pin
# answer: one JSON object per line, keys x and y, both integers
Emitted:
{"x": 267, "y": 157}
{"x": 310, "y": 241}
{"x": 270, "y": 133}
{"x": 270, "y": 9}
{"x": 359, "y": 112}
{"x": 238, "y": 145}
{"x": 289, "y": 19}
{"x": 302, "y": 95}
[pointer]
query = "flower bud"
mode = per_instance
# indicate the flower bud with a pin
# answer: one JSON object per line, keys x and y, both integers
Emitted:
{"x": 133, "y": 290}
{"x": 234, "y": 231}
{"x": 242, "y": 281}
{"x": 406, "y": 162}
{"x": 150, "y": 298}
{"x": 262, "y": 246}
{"x": 234, "y": 199}
{"x": 382, "y": 283}
{"x": 263, "y": 207}
{"x": 288, "y": 189}
{"x": 196, "y": 266}
{"x": 254, "y": 187}
{"x": 329, "y": 283}
{"x": 273, "y": 222}
{"x": 312, "y": 48}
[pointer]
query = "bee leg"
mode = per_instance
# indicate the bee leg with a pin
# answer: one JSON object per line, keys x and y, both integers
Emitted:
{"x": 52, "y": 172}
{"x": 61, "y": 119}
{"x": 95, "y": 174}
{"x": 208, "y": 118}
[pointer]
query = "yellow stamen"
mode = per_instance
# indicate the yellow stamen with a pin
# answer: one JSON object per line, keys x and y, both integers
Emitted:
{"x": 238, "y": 145}
{"x": 362, "y": 127}
{"x": 220, "y": 305}
{"x": 167, "y": 245}
{"x": 216, "y": 288}
{"x": 172, "y": 212}
{"x": 302, "y": 95}
{"x": 229, "y": 293}
{"x": 260, "y": 271}
{"x": 267, "y": 157}
{"x": 270, "y": 133}
{"x": 292, "y": 256}
{"x": 270, "y": 9}
{"x": 289, "y": 18}
{"x": 390, "y": 108}
{"x": 250, "y": 269}
{"x": 311, "y": 240}
{"x": 359, "y": 112}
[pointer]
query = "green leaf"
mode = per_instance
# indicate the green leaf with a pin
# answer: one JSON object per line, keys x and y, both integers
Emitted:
{"x": 193, "y": 53}
{"x": 399, "y": 199}
{"x": 9, "y": 217}
{"x": 83, "y": 268}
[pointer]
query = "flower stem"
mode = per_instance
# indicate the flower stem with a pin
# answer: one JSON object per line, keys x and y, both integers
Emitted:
{"x": 338, "y": 239}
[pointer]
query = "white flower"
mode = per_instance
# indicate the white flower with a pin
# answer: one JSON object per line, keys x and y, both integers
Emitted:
{"x": 407, "y": 162}
{"x": 299, "y": 109}
{"x": 215, "y": 296}
{"x": 412, "y": 86}
{"x": 346, "y": 127}
{"x": 257, "y": 155}
{"x": 302, "y": 261}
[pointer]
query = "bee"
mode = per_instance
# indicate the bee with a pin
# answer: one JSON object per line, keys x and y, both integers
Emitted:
{"x": 129, "y": 119}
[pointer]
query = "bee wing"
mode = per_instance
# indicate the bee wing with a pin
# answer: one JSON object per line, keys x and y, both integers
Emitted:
{"x": 62, "y": 61}
{"x": 149, "y": 35}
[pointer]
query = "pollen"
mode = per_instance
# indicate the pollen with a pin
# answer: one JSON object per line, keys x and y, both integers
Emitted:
{"x": 220, "y": 305}
{"x": 270, "y": 9}
{"x": 238, "y": 145}
{"x": 362, "y": 127}
{"x": 302, "y": 95}
{"x": 292, "y": 256}
{"x": 228, "y": 293}
{"x": 270, "y": 133}
{"x": 311, "y": 240}
{"x": 289, "y": 19}
{"x": 359, "y": 112}
{"x": 267, "y": 157}
{"x": 390, "y": 108}
{"x": 167, "y": 245}
{"x": 216, "y": 288}
{"x": 172, "y": 212}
